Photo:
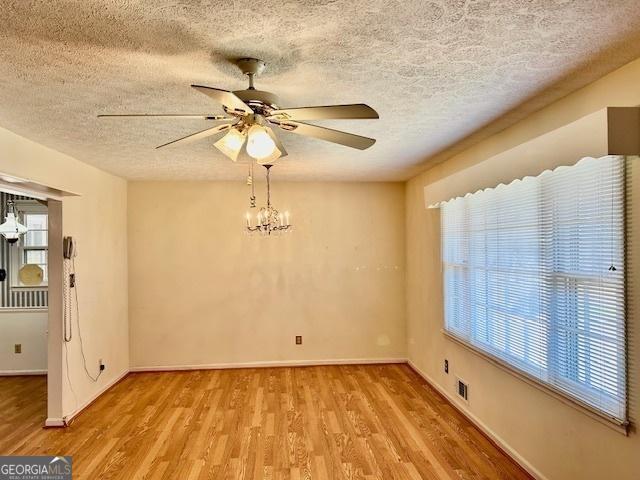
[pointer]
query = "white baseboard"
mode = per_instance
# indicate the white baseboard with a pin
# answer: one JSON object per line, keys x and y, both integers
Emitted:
{"x": 534, "y": 472}
{"x": 67, "y": 418}
{"x": 267, "y": 364}
{"x": 54, "y": 422}
{"x": 17, "y": 373}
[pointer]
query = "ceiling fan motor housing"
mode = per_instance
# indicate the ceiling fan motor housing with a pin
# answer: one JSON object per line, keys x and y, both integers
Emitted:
{"x": 261, "y": 102}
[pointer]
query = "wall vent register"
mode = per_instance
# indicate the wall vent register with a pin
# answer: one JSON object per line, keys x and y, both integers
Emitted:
{"x": 462, "y": 389}
{"x": 534, "y": 278}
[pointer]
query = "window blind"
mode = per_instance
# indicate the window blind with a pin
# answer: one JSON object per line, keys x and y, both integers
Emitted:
{"x": 534, "y": 276}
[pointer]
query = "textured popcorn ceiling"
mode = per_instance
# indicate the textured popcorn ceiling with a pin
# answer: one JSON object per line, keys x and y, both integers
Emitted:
{"x": 436, "y": 71}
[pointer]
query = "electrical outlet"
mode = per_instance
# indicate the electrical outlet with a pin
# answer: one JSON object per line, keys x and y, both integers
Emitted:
{"x": 17, "y": 348}
{"x": 298, "y": 339}
{"x": 101, "y": 365}
{"x": 446, "y": 366}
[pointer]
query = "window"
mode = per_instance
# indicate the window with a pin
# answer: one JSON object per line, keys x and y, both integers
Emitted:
{"x": 534, "y": 277}
{"x": 32, "y": 248}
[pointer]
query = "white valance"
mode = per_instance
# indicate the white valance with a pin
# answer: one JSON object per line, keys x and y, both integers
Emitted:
{"x": 611, "y": 131}
{"x": 529, "y": 178}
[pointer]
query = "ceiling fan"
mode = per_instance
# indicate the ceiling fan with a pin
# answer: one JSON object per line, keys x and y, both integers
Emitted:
{"x": 250, "y": 114}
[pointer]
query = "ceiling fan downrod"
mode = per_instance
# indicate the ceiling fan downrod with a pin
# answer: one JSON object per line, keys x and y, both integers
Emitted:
{"x": 251, "y": 67}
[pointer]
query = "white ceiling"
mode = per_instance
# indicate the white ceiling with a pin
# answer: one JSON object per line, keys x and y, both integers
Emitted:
{"x": 436, "y": 71}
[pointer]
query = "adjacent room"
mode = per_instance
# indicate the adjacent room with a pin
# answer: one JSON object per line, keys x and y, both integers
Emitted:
{"x": 320, "y": 240}
{"x": 23, "y": 309}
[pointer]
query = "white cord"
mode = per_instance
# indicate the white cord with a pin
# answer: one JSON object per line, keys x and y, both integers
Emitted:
{"x": 67, "y": 324}
{"x": 66, "y": 359}
{"x": 84, "y": 359}
{"x": 70, "y": 268}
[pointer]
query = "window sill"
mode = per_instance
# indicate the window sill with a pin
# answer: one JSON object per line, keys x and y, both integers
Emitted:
{"x": 23, "y": 310}
{"x": 586, "y": 409}
{"x": 29, "y": 288}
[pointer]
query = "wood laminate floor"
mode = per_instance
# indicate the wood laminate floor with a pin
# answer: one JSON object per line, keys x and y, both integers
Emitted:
{"x": 331, "y": 422}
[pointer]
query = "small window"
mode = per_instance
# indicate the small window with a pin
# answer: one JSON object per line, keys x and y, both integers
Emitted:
{"x": 32, "y": 249}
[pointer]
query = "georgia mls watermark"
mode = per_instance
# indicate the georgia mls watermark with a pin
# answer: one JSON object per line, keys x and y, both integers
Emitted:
{"x": 35, "y": 468}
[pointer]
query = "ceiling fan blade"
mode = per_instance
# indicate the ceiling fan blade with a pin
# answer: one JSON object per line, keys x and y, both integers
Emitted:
{"x": 207, "y": 132}
{"x": 329, "y": 112}
{"x": 167, "y": 115}
{"x": 225, "y": 97}
{"x": 328, "y": 134}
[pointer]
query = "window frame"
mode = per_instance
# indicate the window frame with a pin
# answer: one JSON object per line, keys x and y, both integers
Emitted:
{"x": 17, "y": 252}
{"x": 515, "y": 368}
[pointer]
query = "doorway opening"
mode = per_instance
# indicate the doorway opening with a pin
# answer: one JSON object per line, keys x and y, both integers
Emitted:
{"x": 24, "y": 304}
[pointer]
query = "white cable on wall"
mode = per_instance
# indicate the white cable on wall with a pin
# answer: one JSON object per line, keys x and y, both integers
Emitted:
{"x": 67, "y": 324}
{"x": 69, "y": 270}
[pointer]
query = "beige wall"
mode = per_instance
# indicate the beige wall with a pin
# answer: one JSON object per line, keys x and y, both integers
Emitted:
{"x": 97, "y": 219}
{"x": 556, "y": 440}
{"x": 29, "y": 329}
{"x": 201, "y": 292}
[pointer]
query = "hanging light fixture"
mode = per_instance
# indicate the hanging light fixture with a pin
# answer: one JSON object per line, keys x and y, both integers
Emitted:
{"x": 11, "y": 229}
{"x": 269, "y": 220}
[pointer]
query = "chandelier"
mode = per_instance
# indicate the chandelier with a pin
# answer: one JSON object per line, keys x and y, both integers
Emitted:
{"x": 268, "y": 221}
{"x": 11, "y": 229}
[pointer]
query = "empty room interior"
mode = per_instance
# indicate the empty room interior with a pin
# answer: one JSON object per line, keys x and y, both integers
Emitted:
{"x": 320, "y": 239}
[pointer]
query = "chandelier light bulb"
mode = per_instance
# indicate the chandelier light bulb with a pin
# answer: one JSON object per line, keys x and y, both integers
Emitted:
{"x": 260, "y": 145}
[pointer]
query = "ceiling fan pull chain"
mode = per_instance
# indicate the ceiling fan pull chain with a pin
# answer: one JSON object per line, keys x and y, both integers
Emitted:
{"x": 268, "y": 167}
{"x": 252, "y": 197}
